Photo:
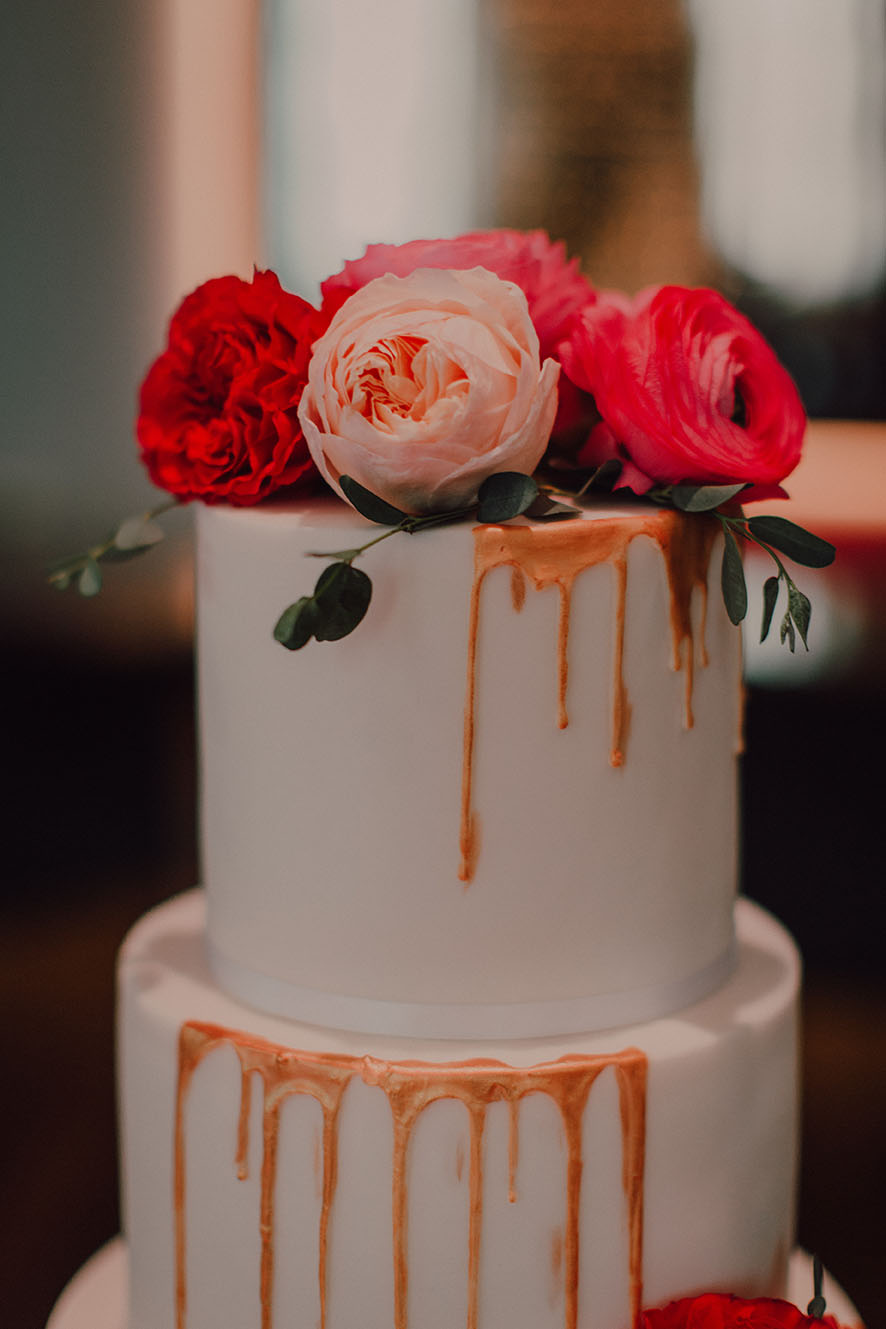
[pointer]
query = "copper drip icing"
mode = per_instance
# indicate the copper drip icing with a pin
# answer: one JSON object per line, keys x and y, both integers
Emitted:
{"x": 554, "y": 554}
{"x": 410, "y": 1087}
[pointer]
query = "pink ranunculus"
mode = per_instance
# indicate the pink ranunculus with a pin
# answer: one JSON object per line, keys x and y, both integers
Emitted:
{"x": 424, "y": 385}
{"x": 688, "y": 391}
{"x": 553, "y": 286}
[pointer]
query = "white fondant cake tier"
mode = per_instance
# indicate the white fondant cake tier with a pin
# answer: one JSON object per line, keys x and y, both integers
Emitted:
{"x": 96, "y": 1298}
{"x": 398, "y": 1182}
{"x": 343, "y": 792}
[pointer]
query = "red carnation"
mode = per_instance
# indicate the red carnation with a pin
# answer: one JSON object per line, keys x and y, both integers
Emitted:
{"x": 554, "y": 288}
{"x": 218, "y": 413}
{"x": 718, "y": 1311}
{"x": 688, "y": 391}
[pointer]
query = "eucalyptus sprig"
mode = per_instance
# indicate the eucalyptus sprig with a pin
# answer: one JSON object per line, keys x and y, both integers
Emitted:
{"x": 769, "y": 533}
{"x": 817, "y": 1306}
{"x": 342, "y": 593}
{"x": 134, "y": 536}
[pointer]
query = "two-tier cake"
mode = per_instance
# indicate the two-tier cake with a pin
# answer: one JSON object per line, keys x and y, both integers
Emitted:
{"x": 466, "y": 1027}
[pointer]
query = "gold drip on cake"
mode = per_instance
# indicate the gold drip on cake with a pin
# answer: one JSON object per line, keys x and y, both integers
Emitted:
{"x": 555, "y": 554}
{"x": 410, "y": 1086}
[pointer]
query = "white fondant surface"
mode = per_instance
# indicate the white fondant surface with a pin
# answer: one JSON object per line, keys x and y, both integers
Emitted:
{"x": 720, "y": 1159}
{"x": 97, "y": 1297}
{"x": 331, "y": 783}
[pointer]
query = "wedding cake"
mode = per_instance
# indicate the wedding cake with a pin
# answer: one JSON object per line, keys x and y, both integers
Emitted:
{"x": 466, "y": 1025}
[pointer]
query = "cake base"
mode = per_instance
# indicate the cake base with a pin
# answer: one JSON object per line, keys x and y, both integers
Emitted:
{"x": 96, "y": 1296}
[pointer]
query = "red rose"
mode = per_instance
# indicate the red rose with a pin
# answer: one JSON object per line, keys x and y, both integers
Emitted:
{"x": 717, "y": 1311}
{"x": 688, "y": 391}
{"x": 218, "y": 414}
{"x": 553, "y": 286}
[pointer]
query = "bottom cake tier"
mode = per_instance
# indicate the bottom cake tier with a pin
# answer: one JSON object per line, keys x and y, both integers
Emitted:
{"x": 278, "y": 1174}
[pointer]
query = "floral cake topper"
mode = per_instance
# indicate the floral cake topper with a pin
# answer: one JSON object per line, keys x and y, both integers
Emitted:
{"x": 481, "y": 376}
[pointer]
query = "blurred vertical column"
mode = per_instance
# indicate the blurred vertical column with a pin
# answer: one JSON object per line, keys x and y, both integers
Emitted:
{"x": 130, "y": 172}
{"x": 373, "y": 128}
{"x": 790, "y": 122}
{"x": 208, "y": 134}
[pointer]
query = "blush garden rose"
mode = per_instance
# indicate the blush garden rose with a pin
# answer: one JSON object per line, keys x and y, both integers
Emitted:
{"x": 555, "y": 290}
{"x": 218, "y": 412}
{"x": 423, "y": 386}
{"x": 688, "y": 391}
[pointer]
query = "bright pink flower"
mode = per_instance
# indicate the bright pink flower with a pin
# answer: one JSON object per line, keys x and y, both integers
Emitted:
{"x": 554, "y": 288}
{"x": 688, "y": 391}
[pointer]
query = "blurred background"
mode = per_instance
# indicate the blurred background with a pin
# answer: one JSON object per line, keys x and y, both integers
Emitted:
{"x": 150, "y": 145}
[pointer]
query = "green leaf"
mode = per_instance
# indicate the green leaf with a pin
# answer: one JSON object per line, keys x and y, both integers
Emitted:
{"x": 137, "y": 533}
{"x": 370, "y": 505}
{"x": 790, "y": 539}
{"x": 342, "y": 595}
{"x": 735, "y": 591}
{"x": 295, "y": 626}
{"x": 787, "y": 632}
{"x": 703, "y": 498}
{"x": 89, "y": 582}
{"x": 505, "y": 495}
{"x": 60, "y": 580}
{"x": 114, "y": 555}
{"x": 800, "y": 611}
{"x": 545, "y": 508}
{"x": 770, "y": 596}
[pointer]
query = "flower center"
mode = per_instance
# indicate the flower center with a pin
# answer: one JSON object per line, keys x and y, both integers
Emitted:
{"x": 386, "y": 382}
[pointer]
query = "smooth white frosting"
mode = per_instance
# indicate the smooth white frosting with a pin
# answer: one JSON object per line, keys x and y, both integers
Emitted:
{"x": 331, "y": 783}
{"x": 720, "y": 1158}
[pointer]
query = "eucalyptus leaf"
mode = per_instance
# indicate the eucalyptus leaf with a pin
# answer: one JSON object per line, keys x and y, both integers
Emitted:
{"x": 115, "y": 555}
{"x": 790, "y": 539}
{"x": 295, "y": 626}
{"x": 734, "y": 586}
{"x": 770, "y": 596}
{"x": 137, "y": 533}
{"x": 800, "y": 611}
{"x": 505, "y": 495}
{"x": 330, "y": 582}
{"x": 89, "y": 582}
{"x": 342, "y": 603}
{"x": 787, "y": 632}
{"x": 703, "y": 498}
{"x": 60, "y": 580}
{"x": 545, "y": 508}
{"x": 370, "y": 505}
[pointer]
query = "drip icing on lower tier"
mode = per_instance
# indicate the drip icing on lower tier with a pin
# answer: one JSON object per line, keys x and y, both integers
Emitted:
{"x": 554, "y": 554}
{"x": 410, "y": 1086}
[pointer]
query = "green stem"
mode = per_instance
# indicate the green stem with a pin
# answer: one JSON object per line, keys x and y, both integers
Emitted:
{"x": 70, "y": 567}
{"x": 739, "y": 525}
{"x": 409, "y": 524}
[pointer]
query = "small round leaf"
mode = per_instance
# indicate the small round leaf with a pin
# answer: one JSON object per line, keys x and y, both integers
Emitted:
{"x": 735, "y": 591}
{"x": 345, "y": 599}
{"x": 369, "y": 505}
{"x": 295, "y": 626}
{"x": 790, "y": 539}
{"x": 89, "y": 582}
{"x": 703, "y": 498}
{"x": 505, "y": 495}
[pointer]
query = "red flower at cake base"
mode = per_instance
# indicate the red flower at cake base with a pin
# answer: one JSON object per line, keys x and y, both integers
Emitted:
{"x": 218, "y": 415}
{"x": 689, "y": 392}
{"x": 718, "y": 1311}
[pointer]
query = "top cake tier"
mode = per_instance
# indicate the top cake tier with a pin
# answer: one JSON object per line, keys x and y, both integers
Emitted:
{"x": 504, "y": 806}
